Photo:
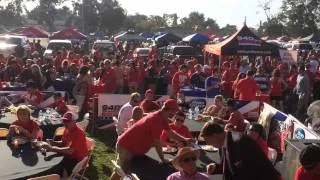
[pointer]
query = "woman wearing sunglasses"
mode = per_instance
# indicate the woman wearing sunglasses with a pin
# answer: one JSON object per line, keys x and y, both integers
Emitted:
{"x": 185, "y": 163}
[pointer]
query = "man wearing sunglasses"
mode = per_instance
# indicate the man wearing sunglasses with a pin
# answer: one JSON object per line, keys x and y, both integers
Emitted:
{"x": 178, "y": 127}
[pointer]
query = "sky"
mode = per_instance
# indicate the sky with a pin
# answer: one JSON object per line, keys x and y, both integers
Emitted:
{"x": 223, "y": 11}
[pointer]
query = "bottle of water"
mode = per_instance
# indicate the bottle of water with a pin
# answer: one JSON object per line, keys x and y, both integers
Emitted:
{"x": 190, "y": 115}
{"x": 40, "y": 116}
{"x": 196, "y": 113}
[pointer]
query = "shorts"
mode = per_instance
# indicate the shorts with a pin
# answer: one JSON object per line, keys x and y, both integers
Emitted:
{"x": 124, "y": 159}
{"x": 276, "y": 98}
{"x": 66, "y": 164}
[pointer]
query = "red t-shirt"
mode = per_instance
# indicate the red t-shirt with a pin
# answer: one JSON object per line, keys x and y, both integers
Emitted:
{"x": 132, "y": 76}
{"x": 140, "y": 137}
{"x": 149, "y": 106}
{"x": 179, "y": 80}
{"x": 109, "y": 78}
{"x": 226, "y": 81}
{"x": 172, "y": 72}
{"x": 61, "y": 105}
{"x": 35, "y": 96}
{"x": 263, "y": 145}
{"x": 237, "y": 119}
{"x": 302, "y": 174}
{"x": 276, "y": 87}
{"x": 183, "y": 131}
{"x": 247, "y": 89}
{"x": 233, "y": 73}
{"x": 30, "y": 127}
{"x": 76, "y": 139}
{"x": 141, "y": 75}
{"x": 292, "y": 81}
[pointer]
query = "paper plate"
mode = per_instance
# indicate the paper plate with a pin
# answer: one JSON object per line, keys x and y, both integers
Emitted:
{"x": 209, "y": 148}
{"x": 169, "y": 149}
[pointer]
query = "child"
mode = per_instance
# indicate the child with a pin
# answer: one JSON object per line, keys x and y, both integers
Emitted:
{"x": 137, "y": 114}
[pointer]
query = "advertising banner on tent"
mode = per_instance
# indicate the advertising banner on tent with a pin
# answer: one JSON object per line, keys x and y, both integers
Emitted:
{"x": 288, "y": 56}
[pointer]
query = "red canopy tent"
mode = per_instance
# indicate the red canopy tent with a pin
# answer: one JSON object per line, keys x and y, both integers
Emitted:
{"x": 30, "y": 32}
{"x": 68, "y": 33}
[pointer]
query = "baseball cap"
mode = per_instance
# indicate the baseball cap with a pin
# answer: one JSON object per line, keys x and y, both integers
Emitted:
{"x": 68, "y": 117}
{"x": 171, "y": 104}
{"x": 149, "y": 91}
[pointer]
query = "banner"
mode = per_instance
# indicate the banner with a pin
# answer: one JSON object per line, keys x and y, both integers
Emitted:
{"x": 288, "y": 56}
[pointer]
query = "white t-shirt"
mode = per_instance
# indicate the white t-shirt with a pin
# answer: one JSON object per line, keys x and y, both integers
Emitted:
{"x": 125, "y": 114}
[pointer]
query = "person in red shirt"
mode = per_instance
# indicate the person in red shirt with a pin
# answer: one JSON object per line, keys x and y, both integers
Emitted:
{"x": 236, "y": 119}
{"x": 73, "y": 145}
{"x": 33, "y": 97}
{"x": 142, "y": 74}
{"x": 310, "y": 164}
{"x": 278, "y": 85}
{"x": 148, "y": 104}
{"x": 25, "y": 126}
{"x": 59, "y": 104}
{"x": 178, "y": 127}
{"x": 247, "y": 88}
{"x": 109, "y": 77}
{"x": 132, "y": 77}
{"x": 226, "y": 80}
{"x": 147, "y": 131}
{"x": 235, "y": 84}
{"x": 180, "y": 79}
{"x": 257, "y": 133}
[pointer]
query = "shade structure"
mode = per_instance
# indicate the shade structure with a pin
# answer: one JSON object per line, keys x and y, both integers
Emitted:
{"x": 168, "y": 37}
{"x": 313, "y": 38}
{"x": 129, "y": 36}
{"x": 196, "y": 38}
{"x": 69, "y": 33}
{"x": 284, "y": 38}
{"x": 31, "y": 31}
{"x": 147, "y": 35}
{"x": 243, "y": 42}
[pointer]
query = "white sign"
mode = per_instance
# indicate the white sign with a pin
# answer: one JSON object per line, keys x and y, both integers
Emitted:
{"x": 288, "y": 56}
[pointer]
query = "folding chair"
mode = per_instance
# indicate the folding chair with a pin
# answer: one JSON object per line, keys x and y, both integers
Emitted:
{"x": 3, "y": 133}
{"x": 59, "y": 132}
{"x": 48, "y": 177}
{"x": 123, "y": 175}
{"x": 112, "y": 124}
{"x": 77, "y": 169}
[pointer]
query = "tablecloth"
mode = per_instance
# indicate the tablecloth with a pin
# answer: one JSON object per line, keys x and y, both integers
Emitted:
{"x": 24, "y": 162}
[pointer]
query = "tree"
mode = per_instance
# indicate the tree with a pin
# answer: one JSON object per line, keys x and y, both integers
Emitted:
{"x": 195, "y": 21}
{"x": 228, "y": 30}
{"x": 171, "y": 19}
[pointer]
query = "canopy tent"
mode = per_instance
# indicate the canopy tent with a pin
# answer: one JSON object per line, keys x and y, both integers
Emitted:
{"x": 147, "y": 35}
{"x": 284, "y": 38}
{"x": 168, "y": 37}
{"x": 196, "y": 38}
{"x": 30, "y": 32}
{"x": 68, "y": 33}
{"x": 243, "y": 42}
{"x": 129, "y": 36}
{"x": 313, "y": 38}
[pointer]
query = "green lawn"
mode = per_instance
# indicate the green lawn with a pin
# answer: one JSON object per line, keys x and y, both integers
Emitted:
{"x": 100, "y": 164}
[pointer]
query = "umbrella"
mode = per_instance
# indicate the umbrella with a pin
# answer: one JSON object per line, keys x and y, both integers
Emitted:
{"x": 197, "y": 38}
{"x": 147, "y": 35}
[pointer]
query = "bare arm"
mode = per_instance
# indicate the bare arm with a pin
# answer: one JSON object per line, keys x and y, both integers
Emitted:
{"x": 158, "y": 146}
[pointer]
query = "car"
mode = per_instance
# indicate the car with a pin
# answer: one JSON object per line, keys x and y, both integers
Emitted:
{"x": 183, "y": 52}
{"x": 9, "y": 42}
{"x": 141, "y": 52}
{"x": 56, "y": 45}
{"x": 107, "y": 48}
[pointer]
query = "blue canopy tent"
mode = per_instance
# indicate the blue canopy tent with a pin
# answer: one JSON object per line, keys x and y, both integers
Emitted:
{"x": 196, "y": 38}
{"x": 147, "y": 35}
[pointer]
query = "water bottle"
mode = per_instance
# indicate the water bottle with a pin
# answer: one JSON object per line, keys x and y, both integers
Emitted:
{"x": 40, "y": 116}
{"x": 190, "y": 114}
{"x": 196, "y": 113}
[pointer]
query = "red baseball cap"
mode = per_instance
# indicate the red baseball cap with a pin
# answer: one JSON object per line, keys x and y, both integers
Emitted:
{"x": 149, "y": 91}
{"x": 171, "y": 104}
{"x": 68, "y": 117}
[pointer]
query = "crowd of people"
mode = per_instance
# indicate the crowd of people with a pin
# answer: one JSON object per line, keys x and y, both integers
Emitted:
{"x": 244, "y": 147}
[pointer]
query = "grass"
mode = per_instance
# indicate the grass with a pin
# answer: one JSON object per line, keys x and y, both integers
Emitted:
{"x": 100, "y": 164}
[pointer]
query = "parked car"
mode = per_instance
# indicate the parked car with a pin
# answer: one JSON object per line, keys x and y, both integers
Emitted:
{"x": 56, "y": 45}
{"x": 9, "y": 42}
{"x": 183, "y": 52}
{"x": 107, "y": 48}
{"x": 141, "y": 52}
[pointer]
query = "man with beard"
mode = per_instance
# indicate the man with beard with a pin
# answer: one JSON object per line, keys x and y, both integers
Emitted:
{"x": 144, "y": 134}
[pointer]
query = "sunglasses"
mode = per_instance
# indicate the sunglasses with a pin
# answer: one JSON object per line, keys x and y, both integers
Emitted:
{"x": 189, "y": 159}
